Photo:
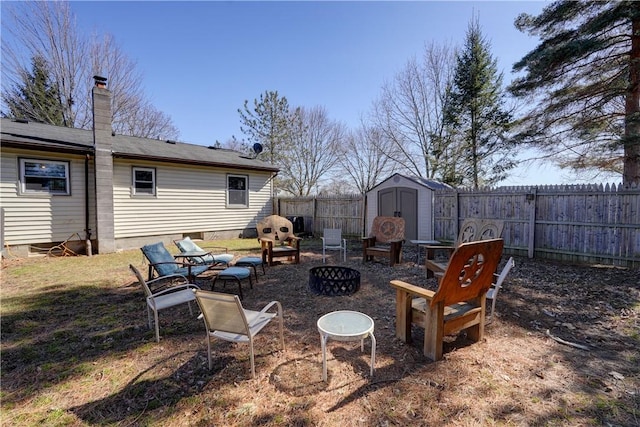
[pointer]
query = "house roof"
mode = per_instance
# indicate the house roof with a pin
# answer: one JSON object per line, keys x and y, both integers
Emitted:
{"x": 32, "y": 135}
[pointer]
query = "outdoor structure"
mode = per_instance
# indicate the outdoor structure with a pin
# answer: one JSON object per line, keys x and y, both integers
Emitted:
{"x": 410, "y": 198}
{"x": 121, "y": 192}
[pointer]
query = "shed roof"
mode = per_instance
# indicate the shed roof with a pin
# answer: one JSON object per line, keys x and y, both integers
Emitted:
{"x": 425, "y": 182}
{"x": 43, "y": 136}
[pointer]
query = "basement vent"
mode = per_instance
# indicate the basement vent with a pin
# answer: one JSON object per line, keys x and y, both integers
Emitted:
{"x": 170, "y": 141}
{"x": 213, "y": 147}
{"x": 21, "y": 121}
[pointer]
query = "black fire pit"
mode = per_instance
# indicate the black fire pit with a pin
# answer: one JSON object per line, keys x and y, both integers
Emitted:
{"x": 333, "y": 280}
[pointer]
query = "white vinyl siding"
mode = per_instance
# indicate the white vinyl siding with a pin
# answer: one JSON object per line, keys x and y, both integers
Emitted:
{"x": 188, "y": 199}
{"x": 42, "y": 217}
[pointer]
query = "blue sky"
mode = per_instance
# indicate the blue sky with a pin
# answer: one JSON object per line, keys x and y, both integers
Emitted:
{"x": 201, "y": 60}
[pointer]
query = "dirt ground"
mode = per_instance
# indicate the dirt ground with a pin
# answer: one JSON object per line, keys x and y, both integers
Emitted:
{"x": 563, "y": 350}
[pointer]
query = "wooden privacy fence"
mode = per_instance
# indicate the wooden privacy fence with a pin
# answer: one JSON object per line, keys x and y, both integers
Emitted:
{"x": 575, "y": 223}
{"x": 345, "y": 212}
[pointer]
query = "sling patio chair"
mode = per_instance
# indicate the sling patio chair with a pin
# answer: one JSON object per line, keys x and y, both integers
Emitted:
{"x": 226, "y": 319}
{"x": 162, "y": 263}
{"x": 332, "y": 240}
{"x": 492, "y": 293}
{"x": 188, "y": 248}
{"x": 158, "y": 298}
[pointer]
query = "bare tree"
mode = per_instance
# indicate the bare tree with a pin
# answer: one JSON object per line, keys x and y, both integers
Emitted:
{"x": 365, "y": 157}
{"x": 409, "y": 113}
{"x": 48, "y": 30}
{"x": 313, "y": 151}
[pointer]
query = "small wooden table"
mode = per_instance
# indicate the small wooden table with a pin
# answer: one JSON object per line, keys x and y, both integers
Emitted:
{"x": 346, "y": 325}
{"x": 422, "y": 243}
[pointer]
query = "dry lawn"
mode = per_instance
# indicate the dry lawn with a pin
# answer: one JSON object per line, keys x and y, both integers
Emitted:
{"x": 76, "y": 350}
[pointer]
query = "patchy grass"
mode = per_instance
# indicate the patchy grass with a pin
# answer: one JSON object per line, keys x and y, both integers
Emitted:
{"x": 76, "y": 350}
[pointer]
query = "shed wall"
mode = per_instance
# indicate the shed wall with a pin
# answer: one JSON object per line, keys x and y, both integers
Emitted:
{"x": 425, "y": 204}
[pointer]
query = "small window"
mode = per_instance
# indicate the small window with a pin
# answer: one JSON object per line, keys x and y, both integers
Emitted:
{"x": 44, "y": 177}
{"x": 144, "y": 181}
{"x": 237, "y": 193}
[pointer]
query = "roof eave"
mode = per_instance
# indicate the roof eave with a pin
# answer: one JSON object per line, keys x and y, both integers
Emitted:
{"x": 195, "y": 162}
{"x": 39, "y": 146}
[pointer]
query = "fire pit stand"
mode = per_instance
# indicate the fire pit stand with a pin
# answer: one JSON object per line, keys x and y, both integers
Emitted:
{"x": 333, "y": 280}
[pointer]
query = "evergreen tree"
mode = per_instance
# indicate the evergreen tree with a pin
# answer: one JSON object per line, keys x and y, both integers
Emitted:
{"x": 475, "y": 111}
{"x": 36, "y": 99}
{"x": 584, "y": 79}
{"x": 270, "y": 122}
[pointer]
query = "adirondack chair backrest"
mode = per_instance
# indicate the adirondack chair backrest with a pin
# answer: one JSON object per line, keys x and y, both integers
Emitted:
{"x": 387, "y": 229}
{"x": 275, "y": 227}
{"x": 469, "y": 273}
{"x": 474, "y": 229}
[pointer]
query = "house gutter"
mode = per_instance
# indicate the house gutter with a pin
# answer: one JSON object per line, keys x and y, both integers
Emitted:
{"x": 87, "y": 230}
{"x": 193, "y": 162}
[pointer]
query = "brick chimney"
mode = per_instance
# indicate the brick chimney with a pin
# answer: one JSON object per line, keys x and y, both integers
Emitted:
{"x": 103, "y": 142}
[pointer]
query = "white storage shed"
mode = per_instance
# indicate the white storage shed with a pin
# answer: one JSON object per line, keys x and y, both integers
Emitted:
{"x": 408, "y": 197}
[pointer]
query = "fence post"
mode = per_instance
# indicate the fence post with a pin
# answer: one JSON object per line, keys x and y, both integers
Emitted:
{"x": 456, "y": 215}
{"x": 531, "y": 197}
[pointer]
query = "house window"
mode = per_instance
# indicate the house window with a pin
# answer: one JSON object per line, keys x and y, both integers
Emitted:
{"x": 144, "y": 181}
{"x": 44, "y": 177}
{"x": 237, "y": 191}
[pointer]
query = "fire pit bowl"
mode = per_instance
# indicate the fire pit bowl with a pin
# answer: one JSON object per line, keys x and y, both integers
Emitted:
{"x": 332, "y": 280}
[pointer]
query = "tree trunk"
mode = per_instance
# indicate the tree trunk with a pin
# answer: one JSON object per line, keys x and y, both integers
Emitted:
{"x": 631, "y": 173}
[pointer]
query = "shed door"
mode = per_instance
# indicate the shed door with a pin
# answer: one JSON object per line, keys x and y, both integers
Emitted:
{"x": 403, "y": 202}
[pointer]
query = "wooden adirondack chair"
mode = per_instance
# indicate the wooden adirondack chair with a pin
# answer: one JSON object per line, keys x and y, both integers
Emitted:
{"x": 276, "y": 237}
{"x": 472, "y": 230}
{"x": 458, "y": 304}
{"x": 387, "y": 235}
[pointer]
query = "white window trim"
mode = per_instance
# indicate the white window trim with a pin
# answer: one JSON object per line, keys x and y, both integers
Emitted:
{"x": 134, "y": 169}
{"x": 246, "y": 191}
{"x": 23, "y": 181}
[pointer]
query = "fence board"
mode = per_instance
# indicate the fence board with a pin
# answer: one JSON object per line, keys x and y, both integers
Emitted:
{"x": 572, "y": 223}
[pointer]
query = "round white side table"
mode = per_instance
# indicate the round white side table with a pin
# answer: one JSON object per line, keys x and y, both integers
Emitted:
{"x": 346, "y": 325}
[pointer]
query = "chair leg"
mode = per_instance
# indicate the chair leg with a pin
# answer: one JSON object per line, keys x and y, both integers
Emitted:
{"x": 253, "y": 366}
{"x": 240, "y": 286}
{"x": 433, "y": 331}
{"x": 403, "y": 315}
{"x": 155, "y": 312}
{"x": 149, "y": 320}
{"x": 209, "y": 351}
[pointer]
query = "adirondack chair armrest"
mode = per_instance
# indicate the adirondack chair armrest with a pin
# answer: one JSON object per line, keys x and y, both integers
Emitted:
{"x": 404, "y": 297}
{"x": 368, "y": 241}
{"x": 293, "y": 241}
{"x": 413, "y": 290}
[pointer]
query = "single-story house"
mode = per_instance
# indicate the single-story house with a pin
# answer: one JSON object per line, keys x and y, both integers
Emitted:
{"x": 408, "y": 197}
{"x": 121, "y": 192}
